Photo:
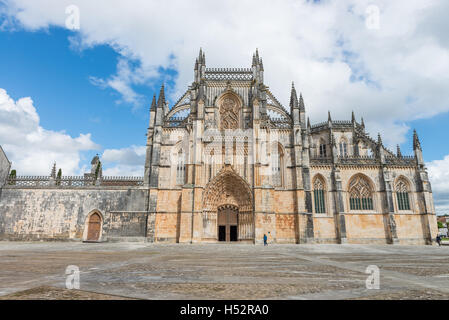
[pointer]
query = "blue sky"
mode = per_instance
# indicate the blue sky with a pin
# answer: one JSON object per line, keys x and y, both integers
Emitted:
{"x": 42, "y": 65}
{"x": 89, "y": 90}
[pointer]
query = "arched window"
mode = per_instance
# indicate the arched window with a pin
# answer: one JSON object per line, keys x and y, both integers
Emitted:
{"x": 402, "y": 195}
{"x": 343, "y": 148}
{"x": 360, "y": 194}
{"x": 322, "y": 149}
{"x": 181, "y": 168}
{"x": 277, "y": 158}
{"x": 318, "y": 194}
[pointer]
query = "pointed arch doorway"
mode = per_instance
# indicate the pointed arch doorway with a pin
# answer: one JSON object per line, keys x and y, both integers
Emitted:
{"x": 94, "y": 227}
{"x": 228, "y": 208}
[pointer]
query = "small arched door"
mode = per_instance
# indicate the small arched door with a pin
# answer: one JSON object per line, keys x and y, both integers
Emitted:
{"x": 94, "y": 228}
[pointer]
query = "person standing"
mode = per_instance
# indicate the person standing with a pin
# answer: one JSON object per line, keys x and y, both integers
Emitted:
{"x": 439, "y": 240}
{"x": 265, "y": 238}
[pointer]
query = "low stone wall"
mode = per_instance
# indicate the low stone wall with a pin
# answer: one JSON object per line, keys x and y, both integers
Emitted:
{"x": 61, "y": 214}
{"x": 125, "y": 224}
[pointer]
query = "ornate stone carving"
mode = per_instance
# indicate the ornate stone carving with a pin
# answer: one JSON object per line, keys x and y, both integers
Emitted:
{"x": 227, "y": 188}
{"x": 360, "y": 188}
{"x": 229, "y": 113}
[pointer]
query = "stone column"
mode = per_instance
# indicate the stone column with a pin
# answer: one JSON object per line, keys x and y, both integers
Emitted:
{"x": 340, "y": 221}
{"x": 389, "y": 219}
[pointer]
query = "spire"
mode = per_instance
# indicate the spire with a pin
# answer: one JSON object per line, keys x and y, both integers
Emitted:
{"x": 200, "y": 58}
{"x": 353, "y": 117}
{"x": 301, "y": 102}
{"x": 257, "y": 55}
{"x": 329, "y": 116}
{"x": 293, "y": 97}
{"x": 416, "y": 143}
{"x": 379, "y": 139}
{"x": 398, "y": 151}
{"x": 161, "y": 100}
{"x": 254, "y": 60}
{"x": 153, "y": 104}
{"x": 261, "y": 65}
{"x": 308, "y": 123}
{"x": 196, "y": 64}
{"x": 53, "y": 171}
{"x": 363, "y": 124}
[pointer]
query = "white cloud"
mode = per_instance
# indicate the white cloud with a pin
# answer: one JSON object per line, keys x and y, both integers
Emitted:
{"x": 402, "y": 68}
{"x": 127, "y": 75}
{"x": 31, "y": 148}
{"x": 401, "y": 71}
{"x": 439, "y": 177}
{"x": 124, "y": 162}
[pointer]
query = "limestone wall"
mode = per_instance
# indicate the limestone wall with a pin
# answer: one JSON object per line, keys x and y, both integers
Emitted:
{"x": 286, "y": 228}
{"x": 365, "y": 228}
{"x": 5, "y": 166}
{"x": 324, "y": 230}
{"x": 31, "y": 214}
{"x": 167, "y": 227}
{"x": 411, "y": 228}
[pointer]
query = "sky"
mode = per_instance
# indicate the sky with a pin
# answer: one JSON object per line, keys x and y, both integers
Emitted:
{"x": 69, "y": 91}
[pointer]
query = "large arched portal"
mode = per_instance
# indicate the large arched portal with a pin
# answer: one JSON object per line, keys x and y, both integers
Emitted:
{"x": 228, "y": 208}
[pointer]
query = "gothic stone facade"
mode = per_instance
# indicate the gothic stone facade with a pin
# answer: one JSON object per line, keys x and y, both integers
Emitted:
{"x": 227, "y": 162}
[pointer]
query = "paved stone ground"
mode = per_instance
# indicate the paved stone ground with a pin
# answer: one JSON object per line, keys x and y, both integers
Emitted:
{"x": 221, "y": 271}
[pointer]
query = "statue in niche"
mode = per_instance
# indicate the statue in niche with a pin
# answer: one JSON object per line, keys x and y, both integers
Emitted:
{"x": 229, "y": 114}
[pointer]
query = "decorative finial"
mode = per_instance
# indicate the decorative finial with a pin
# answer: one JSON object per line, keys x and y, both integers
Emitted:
{"x": 353, "y": 117}
{"x": 53, "y": 171}
{"x": 301, "y": 102}
{"x": 153, "y": 104}
{"x": 329, "y": 116}
{"x": 379, "y": 139}
{"x": 398, "y": 151}
{"x": 161, "y": 100}
{"x": 293, "y": 98}
{"x": 416, "y": 142}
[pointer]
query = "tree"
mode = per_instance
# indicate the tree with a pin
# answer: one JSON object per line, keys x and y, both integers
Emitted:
{"x": 58, "y": 177}
{"x": 440, "y": 224}
{"x": 12, "y": 177}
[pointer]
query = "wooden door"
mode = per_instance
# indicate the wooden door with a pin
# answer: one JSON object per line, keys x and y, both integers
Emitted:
{"x": 94, "y": 228}
{"x": 227, "y": 222}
